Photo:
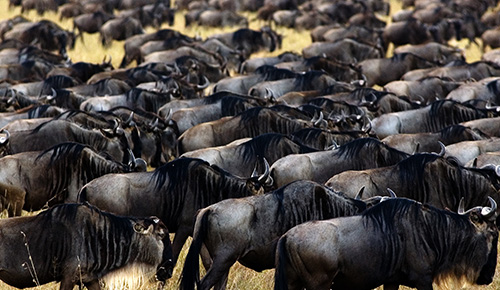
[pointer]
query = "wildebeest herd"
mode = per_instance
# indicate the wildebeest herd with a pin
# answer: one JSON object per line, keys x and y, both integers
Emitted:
{"x": 368, "y": 158}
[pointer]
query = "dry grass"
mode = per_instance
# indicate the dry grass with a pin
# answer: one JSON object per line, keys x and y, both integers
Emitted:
{"x": 90, "y": 50}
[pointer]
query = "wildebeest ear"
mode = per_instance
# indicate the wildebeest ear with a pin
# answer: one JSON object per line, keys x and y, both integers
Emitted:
{"x": 138, "y": 227}
{"x": 141, "y": 228}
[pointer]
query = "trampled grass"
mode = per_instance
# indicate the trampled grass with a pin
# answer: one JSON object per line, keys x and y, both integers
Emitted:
{"x": 91, "y": 50}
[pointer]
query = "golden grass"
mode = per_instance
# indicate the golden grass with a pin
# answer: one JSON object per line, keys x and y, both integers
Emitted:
{"x": 91, "y": 50}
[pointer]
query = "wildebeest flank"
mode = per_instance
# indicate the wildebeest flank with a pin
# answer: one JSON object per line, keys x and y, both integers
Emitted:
{"x": 77, "y": 244}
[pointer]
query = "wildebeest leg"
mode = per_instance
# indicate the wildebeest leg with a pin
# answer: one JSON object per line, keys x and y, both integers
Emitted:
{"x": 205, "y": 258}
{"x": 217, "y": 274}
{"x": 93, "y": 285}
{"x": 180, "y": 238}
{"x": 67, "y": 283}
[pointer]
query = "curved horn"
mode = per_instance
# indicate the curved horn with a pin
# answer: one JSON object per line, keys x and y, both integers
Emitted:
{"x": 443, "y": 149}
{"x": 320, "y": 119}
{"x": 205, "y": 84}
{"x": 391, "y": 193}
{"x": 333, "y": 146}
{"x": 360, "y": 193}
{"x": 53, "y": 96}
{"x": 130, "y": 119}
{"x": 5, "y": 139}
{"x": 461, "y": 207}
{"x": 131, "y": 162}
{"x": 154, "y": 124}
{"x": 488, "y": 212}
{"x": 265, "y": 175}
{"x": 168, "y": 117}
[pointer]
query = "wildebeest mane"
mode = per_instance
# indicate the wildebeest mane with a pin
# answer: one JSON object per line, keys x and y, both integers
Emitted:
{"x": 116, "y": 231}
{"x": 150, "y": 100}
{"x": 317, "y": 203}
{"x": 442, "y": 231}
{"x": 197, "y": 181}
{"x": 307, "y": 81}
{"x": 90, "y": 137}
{"x": 89, "y": 120}
{"x": 38, "y": 111}
{"x": 320, "y": 138}
{"x": 272, "y": 73}
{"x": 258, "y": 120}
{"x": 271, "y": 146}
{"x": 428, "y": 175}
{"x": 233, "y": 105}
{"x": 384, "y": 155}
{"x": 444, "y": 113}
{"x": 70, "y": 159}
{"x": 456, "y": 133}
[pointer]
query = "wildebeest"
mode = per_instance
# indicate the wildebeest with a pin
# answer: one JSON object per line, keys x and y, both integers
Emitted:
{"x": 247, "y": 229}
{"x": 250, "y": 65}
{"x": 239, "y": 159}
{"x": 119, "y": 29}
{"x": 324, "y": 139}
{"x": 311, "y": 80}
{"x": 229, "y": 105}
{"x": 250, "y": 41}
{"x": 411, "y": 31}
{"x": 241, "y": 84}
{"x": 469, "y": 71}
{"x": 486, "y": 90}
{"x": 218, "y": 18}
{"x": 250, "y": 123}
{"x": 397, "y": 242}
{"x": 344, "y": 50}
{"x": 90, "y": 22}
{"x": 433, "y": 51}
{"x": 78, "y": 244}
{"x": 55, "y": 175}
{"x": 425, "y": 90}
{"x": 132, "y": 44}
{"x": 431, "y": 118}
{"x": 429, "y": 142}
{"x": 380, "y": 71}
{"x": 465, "y": 151}
{"x": 134, "y": 99}
{"x": 426, "y": 177}
{"x": 173, "y": 192}
{"x": 362, "y": 153}
{"x": 54, "y": 132}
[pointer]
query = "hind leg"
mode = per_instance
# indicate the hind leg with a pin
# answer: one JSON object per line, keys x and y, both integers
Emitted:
{"x": 218, "y": 273}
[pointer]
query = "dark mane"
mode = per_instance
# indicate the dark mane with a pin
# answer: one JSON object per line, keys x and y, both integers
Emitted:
{"x": 444, "y": 113}
{"x": 387, "y": 214}
{"x": 272, "y": 146}
{"x": 424, "y": 176}
{"x": 272, "y": 73}
{"x": 383, "y": 153}
{"x": 194, "y": 180}
{"x": 308, "y": 81}
{"x": 116, "y": 230}
{"x": 232, "y": 105}
{"x": 317, "y": 202}
{"x": 259, "y": 120}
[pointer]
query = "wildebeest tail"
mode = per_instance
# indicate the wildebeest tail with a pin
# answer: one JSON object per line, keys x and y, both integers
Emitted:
{"x": 280, "y": 281}
{"x": 191, "y": 270}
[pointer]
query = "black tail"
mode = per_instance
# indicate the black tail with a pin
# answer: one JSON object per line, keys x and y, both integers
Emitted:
{"x": 191, "y": 270}
{"x": 280, "y": 281}
{"x": 124, "y": 62}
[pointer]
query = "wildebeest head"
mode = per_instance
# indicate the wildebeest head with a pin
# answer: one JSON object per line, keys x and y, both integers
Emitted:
{"x": 483, "y": 219}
